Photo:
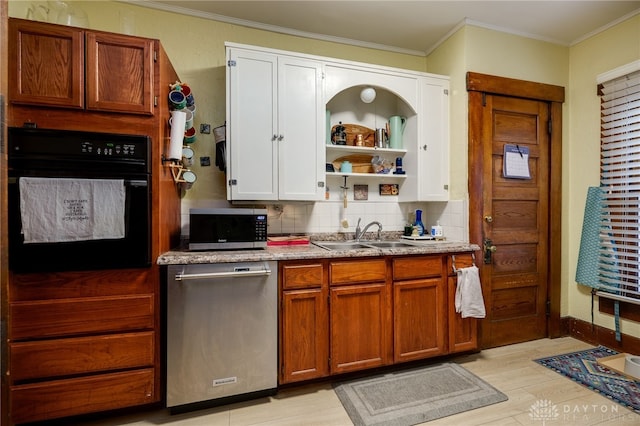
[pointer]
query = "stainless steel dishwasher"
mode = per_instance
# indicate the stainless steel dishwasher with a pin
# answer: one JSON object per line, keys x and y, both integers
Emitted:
{"x": 222, "y": 333}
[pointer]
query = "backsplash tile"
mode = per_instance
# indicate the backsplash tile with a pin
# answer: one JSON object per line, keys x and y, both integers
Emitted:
{"x": 326, "y": 216}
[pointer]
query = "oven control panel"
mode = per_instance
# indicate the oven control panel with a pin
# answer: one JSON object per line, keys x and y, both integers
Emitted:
{"x": 108, "y": 149}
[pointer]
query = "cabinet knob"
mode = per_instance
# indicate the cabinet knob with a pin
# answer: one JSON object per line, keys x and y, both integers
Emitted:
{"x": 424, "y": 147}
{"x": 274, "y": 137}
{"x": 280, "y": 137}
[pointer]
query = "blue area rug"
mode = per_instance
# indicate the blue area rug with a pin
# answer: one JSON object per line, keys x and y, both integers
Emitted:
{"x": 582, "y": 367}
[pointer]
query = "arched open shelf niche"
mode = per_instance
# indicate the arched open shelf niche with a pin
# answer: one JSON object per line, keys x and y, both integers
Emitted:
{"x": 347, "y": 107}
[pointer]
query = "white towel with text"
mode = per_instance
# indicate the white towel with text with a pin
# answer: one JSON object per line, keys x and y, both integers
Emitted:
{"x": 61, "y": 209}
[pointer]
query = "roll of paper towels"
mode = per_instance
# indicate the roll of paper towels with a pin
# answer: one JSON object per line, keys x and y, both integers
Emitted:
{"x": 178, "y": 120}
{"x": 632, "y": 365}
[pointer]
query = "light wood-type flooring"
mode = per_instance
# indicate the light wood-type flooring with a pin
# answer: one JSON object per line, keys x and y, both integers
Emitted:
{"x": 510, "y": 369}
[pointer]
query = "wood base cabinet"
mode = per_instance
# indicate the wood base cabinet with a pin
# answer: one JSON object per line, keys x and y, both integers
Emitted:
{"x": 360, "y": 315}
{"x": 463, "y": 332}
{"x": 346, "y": 315}
{"x": 304, "y": 341}
{"x": 419, "y": 308}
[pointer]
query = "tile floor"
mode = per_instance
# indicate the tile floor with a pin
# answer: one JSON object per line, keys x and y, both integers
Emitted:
{"x": 510, "y": 369}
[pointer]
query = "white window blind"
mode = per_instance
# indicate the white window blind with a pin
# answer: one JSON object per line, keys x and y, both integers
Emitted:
{"x": 619, "y": 252}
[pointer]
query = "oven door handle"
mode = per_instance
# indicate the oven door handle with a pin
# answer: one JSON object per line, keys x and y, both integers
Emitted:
{"x": 232, "y": 274}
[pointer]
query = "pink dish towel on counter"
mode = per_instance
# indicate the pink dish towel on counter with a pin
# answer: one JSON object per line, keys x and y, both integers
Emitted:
{"x": 468, "y": 300}
{"x": 61, "y": 209}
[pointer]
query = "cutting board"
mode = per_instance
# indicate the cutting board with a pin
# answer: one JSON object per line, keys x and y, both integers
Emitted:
{"x": 361, "y": 163}
{"x": 353, "y": 130}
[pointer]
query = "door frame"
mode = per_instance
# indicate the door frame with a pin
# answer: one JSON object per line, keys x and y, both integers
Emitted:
{"x": 478, "y": 86}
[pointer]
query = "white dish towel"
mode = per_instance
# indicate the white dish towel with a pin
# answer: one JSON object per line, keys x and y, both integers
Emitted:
{"x": 469, "y": 301}
{"x": 59, "y": 210}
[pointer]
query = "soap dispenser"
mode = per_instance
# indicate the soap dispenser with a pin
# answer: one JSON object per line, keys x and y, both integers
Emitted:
{"x": 418, "y": 223}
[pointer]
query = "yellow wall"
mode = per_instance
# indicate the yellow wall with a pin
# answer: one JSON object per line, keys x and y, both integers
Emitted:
{"x": 196, "y": 48}
{"x": 588, "y": 59}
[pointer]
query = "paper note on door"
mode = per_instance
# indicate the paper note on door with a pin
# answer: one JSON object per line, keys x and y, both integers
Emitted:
{"x": 516, "y": 162}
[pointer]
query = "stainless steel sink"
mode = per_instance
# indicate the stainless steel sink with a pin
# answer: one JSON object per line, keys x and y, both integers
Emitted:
{"x": 389, "y": 244}
{"x": 341, "y": 245}
{"x": 355, "y": 245}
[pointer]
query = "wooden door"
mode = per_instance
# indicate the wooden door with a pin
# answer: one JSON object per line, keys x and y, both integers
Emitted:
{"x": 47, "y": 64}
{"x": 120, "y": 73}
{"x": 512, "y": 218}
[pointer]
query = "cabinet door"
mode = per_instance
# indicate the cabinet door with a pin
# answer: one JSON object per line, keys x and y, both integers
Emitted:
{"x": 252, "y": 125}
{"x": 119, "y": 73}
{"x": 301, "y": 127}
{"x": 360, "y": 327}
{"x": 304, "y": 351}
{"x": 419, "y": 319}
{"x": 433, "y": 146}
{"x": 46, "y": 64}
{"x": 463, "y": 332}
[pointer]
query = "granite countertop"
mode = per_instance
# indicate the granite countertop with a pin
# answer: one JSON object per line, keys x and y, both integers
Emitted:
{"x": 183, "y": 256}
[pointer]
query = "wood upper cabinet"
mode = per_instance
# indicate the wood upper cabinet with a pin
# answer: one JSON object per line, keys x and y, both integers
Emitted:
{"x": 46, "y": 64}
{"x": 419, "y": 308}
{"x": 119, "y": 73}
{"x": 360, "y": 315}
{"x": 66, "y": 67}
{"x": 304, "y": 321}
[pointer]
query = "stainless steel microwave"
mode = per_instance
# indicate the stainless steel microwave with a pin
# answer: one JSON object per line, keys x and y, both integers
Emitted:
{"x": 227, "y": 228}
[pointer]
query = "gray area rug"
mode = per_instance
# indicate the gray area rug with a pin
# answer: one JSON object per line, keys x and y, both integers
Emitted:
{"x": 415, "y": 396}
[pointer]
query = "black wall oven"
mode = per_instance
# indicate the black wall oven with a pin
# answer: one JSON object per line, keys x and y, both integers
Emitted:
{"x": 82, "y": 158}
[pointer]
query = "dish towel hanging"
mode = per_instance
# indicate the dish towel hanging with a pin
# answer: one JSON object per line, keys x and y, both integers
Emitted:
{"x": 468, "y": 299}
{"x": 58, "y": 210}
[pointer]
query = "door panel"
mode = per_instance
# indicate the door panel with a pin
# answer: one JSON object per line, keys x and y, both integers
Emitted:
{"x": 515, "y": 276}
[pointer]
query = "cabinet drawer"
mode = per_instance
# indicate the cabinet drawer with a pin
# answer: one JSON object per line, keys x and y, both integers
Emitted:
{"x": 64, "y": 357}
{"x": 360, "y": 271}
{"x": 66, "y": 317}
{"x": 408, "y": 268}
{"x": 62, "y": 398}
{"x": 302, "y": 275}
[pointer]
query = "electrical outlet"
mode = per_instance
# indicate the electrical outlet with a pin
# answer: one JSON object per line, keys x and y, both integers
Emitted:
{"x": 205, "y": 128}
{"x": 205, "y": 161}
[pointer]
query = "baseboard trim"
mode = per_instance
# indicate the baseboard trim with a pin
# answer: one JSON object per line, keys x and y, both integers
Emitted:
{"x": 598, "y": 335}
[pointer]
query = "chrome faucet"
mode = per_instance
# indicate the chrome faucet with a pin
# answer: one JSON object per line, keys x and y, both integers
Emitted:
{"x": 360, "y": 232}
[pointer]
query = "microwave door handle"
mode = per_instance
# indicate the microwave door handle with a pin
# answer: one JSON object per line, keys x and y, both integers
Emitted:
{"x": 215, "y": 275}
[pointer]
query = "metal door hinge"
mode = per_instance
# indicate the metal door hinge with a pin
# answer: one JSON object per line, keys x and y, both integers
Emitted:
{"x": 548, "y": 308}
{"x": 484, "y": 99}
{"x": 549, "y": 126}
{"x": 320, "y": 184}
{"x": 231, "y": 63}
{"x": 233, "y": 182}
{"x": 446, "y": 92}
{"x": 155, "y": 56}
{"x": 155, "y": 101}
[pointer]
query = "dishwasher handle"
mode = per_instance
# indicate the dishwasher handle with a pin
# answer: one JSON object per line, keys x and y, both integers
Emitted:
{"x": 238, "y": 273}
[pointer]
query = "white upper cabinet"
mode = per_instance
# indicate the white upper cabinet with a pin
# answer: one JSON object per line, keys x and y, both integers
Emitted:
{"x": 433, "y": 145}
{"x": 275, "y": 126}
{"x": 281, "y": 107}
